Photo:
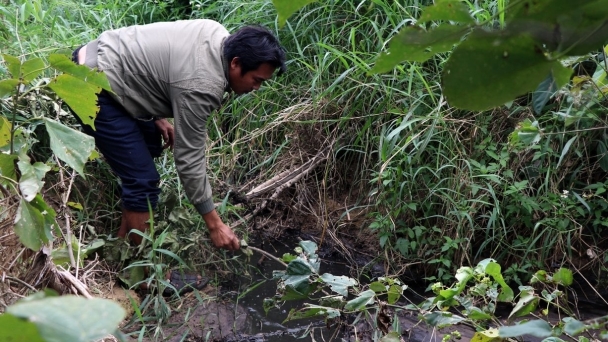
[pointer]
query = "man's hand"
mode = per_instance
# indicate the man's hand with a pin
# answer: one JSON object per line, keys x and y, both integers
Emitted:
{"x": 221, "y": 235}
{"x": 166, "y": 130}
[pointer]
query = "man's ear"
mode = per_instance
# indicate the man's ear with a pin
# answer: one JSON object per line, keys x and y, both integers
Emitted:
{"x": 235, "y": 63}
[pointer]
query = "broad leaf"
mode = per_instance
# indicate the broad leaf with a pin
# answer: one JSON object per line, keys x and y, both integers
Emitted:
{"x": 490, "y": 69}
{"x": 442, "y": 319}
{"x": 377, "y": 287}
{"x": 49, "y": 215}
{"x": 71, "y": 318}
{"x": 493, "y": 269}
{"x": 29, "y": 226}
{"x": 602, "y": 152}
{"x": 338, "y": 284}
{"x": 5, "y": 131}
{"x": 79, "y": 95}
{"x": 527, "y": 132}
{"x": 415, "y": 44}
{"x": 538, "y": 328}
{"x": 13, "y": 65}
{"x": 312, "y": 311}
{"x": 490, "y": 335}
{"x": 394, "y": 293}
{"x": 31, "y": 68}
{"x": 452, "y": 10}
{"x": 543, "y": 93}
{"x": 7, "y": 166}
{"x": 8, "y": 87}
{"x": 18, "y": 330}
{"x": 364, "y": 298}
{"x": 32, "y": 175}
{"x": 299, "y": 267}
{"x": 82, "y": 72}
{"x": 567, "y": 27}
{"x": 285, "y": 8}
{"x": 573, "y": 327}
{"x": 70, "y": 145}
{"x": 393, "y": 336}
{"x": 563, "y": 276}
{"x": 526, "y": 304}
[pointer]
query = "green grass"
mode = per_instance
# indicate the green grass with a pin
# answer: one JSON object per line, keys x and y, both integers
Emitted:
{"x": 441, "y": 187}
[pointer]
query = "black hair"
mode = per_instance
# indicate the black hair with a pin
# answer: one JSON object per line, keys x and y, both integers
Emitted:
{"x": 255, "y": 45}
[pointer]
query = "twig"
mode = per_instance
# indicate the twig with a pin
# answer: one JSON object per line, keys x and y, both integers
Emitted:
{"x": 82, "y": 288}
{"x": 17, "y": 280}
{"x": 268, "y": 255}
{"x": 66, "y": 214}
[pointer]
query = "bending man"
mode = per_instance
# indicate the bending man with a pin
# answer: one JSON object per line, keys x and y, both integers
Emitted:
{"x": 171, "y": 69}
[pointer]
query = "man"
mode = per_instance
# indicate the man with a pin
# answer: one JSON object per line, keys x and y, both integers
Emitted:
{"x": 171, "y": 69}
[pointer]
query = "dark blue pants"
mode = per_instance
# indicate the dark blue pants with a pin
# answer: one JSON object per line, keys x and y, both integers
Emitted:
{"x": 129, "y": 145}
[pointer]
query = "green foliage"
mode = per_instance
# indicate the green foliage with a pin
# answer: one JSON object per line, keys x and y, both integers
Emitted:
{"x": 491, "y": 67}
{"x": 65, "y": 319}
{"x": 472, "y": 299}
{"x": 287, "y": 8}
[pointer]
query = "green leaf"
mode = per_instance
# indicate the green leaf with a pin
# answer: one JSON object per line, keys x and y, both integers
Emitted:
{"x": 377, "y": 287}
{"x": 563, "y": 276}
{"x": 490, "y": 335}
{"x": 71, "y": 318}
{"x": 5, "y": 131}
{"x": 415, "y": 44}
{"x": 18, "y": 330}
{"x": 359, "y": 303}
{"x": 8, "y": 87}
{"x": 568, "y": 27}
{"x": 393, "y": 336}
{"x": 7, "y": 166}
{"x": 13, "y": 65}
{"x": 565, "y": 151}
{"x": 477, "y": 314}
{"x": 526, "y": 132}
{"x": 338, "y": 284}
{"x": 602, "y": 152}
{"x": 537, "y": 328}
{"x": 493, "y": 269}
{"x": 49, "y": 215}
{"x": 82, "y": 72}
{"x": 543, "y": 93}
{"x": 29, "y": 226}
{"x": 312, "y": 311}
{"x": 394, "y": 293}
{"x": 299, "y": 267}
{"x": 309, "y": 247}
{"x": 70, "y": 145}
{"x": 285, "y": 8}
{"x": 441, "y": 319}
{"x": 31, "y": 69}
{"x": 526, "y": 304}
{"x": 489, "y": 69}
{"x": 32, "y": 175}
{"x": 452, "y": 10}
{"x": 573, "y": 327}
{"x": 79, "y": 95}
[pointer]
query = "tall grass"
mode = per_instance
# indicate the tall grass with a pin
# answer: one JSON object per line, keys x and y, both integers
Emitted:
{"x": 441, "y": 187}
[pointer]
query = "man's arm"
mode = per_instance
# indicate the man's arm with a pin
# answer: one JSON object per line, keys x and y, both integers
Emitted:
{"x": 191, "y": 110}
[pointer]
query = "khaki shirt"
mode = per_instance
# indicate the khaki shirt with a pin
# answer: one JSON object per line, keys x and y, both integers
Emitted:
{"x": 170, "y": 69}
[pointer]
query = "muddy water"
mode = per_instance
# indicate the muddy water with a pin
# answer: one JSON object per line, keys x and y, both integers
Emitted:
{"x": 272, "y": 328}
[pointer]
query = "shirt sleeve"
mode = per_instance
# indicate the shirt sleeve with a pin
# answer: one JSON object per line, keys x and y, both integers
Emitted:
{"x": 191, "y": 108}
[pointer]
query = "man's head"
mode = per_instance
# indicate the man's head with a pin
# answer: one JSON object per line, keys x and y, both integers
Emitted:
{"x": 253, "y": 54}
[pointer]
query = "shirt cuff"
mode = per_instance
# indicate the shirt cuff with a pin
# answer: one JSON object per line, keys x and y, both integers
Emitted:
{"x": 205, "y": 207}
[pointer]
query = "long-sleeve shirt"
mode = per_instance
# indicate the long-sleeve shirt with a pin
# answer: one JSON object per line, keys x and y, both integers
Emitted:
{"x": 170, "y": 69}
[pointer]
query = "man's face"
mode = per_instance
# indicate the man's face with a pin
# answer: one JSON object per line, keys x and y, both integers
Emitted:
{"x": 252, "y": 80}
